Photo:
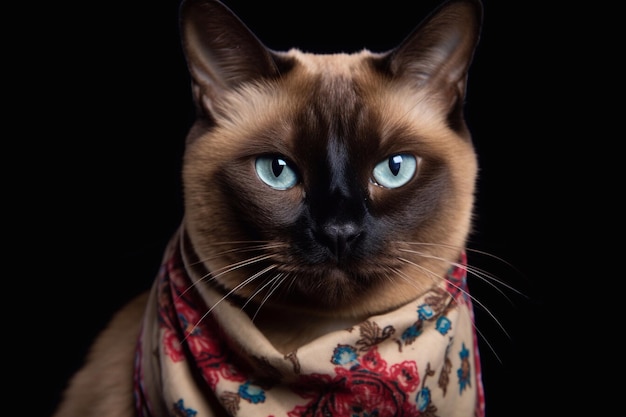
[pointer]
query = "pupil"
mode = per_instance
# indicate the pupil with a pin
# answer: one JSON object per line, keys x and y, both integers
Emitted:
{"x": 277, "y": 166}
{"x": 394, "y": 164}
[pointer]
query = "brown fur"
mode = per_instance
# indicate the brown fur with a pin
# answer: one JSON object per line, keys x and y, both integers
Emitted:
{"x": 104, "y": 386}
{"x": 256, "y": 101}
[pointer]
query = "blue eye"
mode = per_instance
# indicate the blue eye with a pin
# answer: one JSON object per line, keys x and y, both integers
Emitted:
{"x": 276, "y": 172}
{"x": 395, "y": 171}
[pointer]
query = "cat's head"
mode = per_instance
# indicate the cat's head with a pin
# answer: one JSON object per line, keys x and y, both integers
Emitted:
{"x": 338, "y": 183}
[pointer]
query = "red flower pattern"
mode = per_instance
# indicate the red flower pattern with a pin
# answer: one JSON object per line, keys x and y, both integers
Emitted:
{"x": 208, "y": 351}
{"x": 365, "y": 389}
{"x": 456, "y": 281}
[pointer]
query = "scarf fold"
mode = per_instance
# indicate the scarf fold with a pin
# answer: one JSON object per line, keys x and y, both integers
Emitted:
{"x": 419, "y": 360}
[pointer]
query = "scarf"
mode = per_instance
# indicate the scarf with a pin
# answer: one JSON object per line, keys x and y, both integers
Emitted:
{"x": 419, "y": 360}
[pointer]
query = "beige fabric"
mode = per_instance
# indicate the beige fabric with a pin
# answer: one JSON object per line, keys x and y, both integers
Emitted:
{"x": 421, "y": 359}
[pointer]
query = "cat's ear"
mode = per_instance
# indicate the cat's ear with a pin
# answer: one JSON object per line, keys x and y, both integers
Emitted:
{"x": 221, "y": 51}
{"x": 440, "y": 50}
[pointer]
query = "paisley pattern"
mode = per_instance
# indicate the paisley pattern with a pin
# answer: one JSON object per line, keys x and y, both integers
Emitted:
{"x": 420, "y": 360}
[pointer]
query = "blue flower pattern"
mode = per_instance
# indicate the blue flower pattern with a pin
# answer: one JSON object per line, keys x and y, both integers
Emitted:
{"x": 425, "y": 312}
{"x": 251, "y": 393}
{"x": 411, "y": 333}
{"x": 443, "y": 325}
{"x": 181, "y": 411}
{"x": 344, "y": 355}
{"x": 423, "y": 399}
{"x": 464, "y": 371}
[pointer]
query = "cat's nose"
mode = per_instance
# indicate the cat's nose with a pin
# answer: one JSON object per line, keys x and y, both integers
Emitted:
{"x": 339, "y": 238}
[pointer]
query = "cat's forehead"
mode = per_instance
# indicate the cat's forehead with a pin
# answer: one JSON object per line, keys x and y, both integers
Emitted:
{"x": 334, "y": 89}
{"x": 301, "y": 120}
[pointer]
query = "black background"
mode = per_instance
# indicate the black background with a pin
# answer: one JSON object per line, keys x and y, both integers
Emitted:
{"x": 104, "y": 105}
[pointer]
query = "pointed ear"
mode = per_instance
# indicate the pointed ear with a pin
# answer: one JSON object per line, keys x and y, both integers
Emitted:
{"x": 221, "y": 51}
{"x": 439, "y": 51}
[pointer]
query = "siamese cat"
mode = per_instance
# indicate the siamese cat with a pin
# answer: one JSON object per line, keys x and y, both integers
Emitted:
{"x": 319, "y": 268}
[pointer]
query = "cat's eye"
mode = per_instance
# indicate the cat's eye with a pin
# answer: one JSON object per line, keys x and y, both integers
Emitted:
{"x": 395, "y": 171}
{"x": 276, "y": 172}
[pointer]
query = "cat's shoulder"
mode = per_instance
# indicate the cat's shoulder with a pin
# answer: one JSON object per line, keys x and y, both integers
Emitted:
{"x": 104, "y": 385}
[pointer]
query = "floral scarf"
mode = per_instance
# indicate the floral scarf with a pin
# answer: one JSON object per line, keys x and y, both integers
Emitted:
{"x": 419, "y": 360}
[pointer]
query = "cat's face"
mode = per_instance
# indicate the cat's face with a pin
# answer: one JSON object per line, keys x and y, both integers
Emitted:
{"x": 337, "y": 183}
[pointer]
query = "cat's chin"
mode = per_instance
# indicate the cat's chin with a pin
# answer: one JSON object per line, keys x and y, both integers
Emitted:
{"x": 332, "y": 291}
{"x": 335, "y": 288}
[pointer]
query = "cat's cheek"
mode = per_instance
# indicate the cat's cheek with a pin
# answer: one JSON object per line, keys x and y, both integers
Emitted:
{"x": 286, "y": 204}
{"x": 275, "y": 208}
{"x": 385, "y": 201}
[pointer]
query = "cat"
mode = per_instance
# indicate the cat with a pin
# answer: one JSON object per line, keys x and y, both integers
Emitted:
{"x": 319, "y": 268}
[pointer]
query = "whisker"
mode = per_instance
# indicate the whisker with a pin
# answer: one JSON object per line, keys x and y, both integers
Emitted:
{"x": 470, "y": 250}
{"x": 291, "y": 282}
{"x": 276, "y": 282}
{"x": 422, "y": 268}
{"x": 258, "y": 291}
{"x": 434, "y": 278}
{"x": 474, "y": 300}
{"x": 228, "y": 294}
{"x": 489, "y": 345}
{"x": 258, "y": 245}
{"x": 491, "y": 279}
{"x": 225, "y": 270}
{"x": 247, "y": 242}
{"x": 485, "y": 276}
{"x": 248, "y": 248}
